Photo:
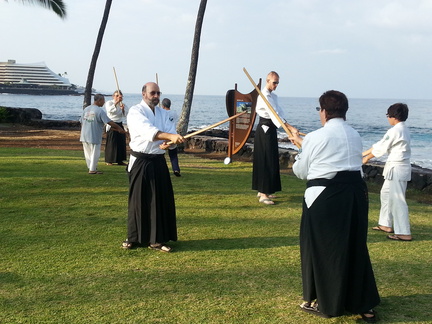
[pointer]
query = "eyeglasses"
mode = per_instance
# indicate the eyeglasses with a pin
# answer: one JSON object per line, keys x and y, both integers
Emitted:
{"x": 387, "y": 115}
{"x": 275, "y": 82}
{"x": 319, "y": 108}
{"x": 152, "y": 93}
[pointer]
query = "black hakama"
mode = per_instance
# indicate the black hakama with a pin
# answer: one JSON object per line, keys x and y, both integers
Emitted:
{"x": 115, "y": 147}
{"x": 336, "y": 268}
{"x": 266, "y": 172}
{"x": 152, "y": 215}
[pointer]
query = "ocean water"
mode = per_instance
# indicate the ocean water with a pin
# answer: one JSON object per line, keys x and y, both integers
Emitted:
{"x": 367, "y": 116}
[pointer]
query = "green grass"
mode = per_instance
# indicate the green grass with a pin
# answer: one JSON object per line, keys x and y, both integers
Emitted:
{"x": 236, "y": 261}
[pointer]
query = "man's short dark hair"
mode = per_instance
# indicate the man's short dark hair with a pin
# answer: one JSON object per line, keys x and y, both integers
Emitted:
{"x": 335, "y": 103}
{"x": 166, "y": 103}
{"x": 98, "y": 97}
{"x": 398, "y": 111}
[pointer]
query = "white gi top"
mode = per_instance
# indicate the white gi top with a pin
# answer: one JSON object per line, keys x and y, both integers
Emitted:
{"x": 115, "y": 113}
{"x": 144, "y": 125}
{"x": 397, "y": 144}
{"x": 263, "y": 111}
{"x": 326, "y": 151}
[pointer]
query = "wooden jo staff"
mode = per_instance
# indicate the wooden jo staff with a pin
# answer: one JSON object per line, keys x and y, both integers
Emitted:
{"x": 118, "y": 90}
{"x": 269, "y": 106}
{"x": 211, "y": 126}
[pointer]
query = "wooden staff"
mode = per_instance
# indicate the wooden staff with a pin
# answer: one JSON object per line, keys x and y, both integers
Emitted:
{"x": 270, "y": 106}
{"x": 157, "y": 79}
{"x": 115, "y": 76}
{"x": 211, "y": 126}
{"x": 118, "y": 89}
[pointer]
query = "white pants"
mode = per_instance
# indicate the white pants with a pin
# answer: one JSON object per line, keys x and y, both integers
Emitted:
{"x": 394, "y": 209}
{"x": 91, "y": 154}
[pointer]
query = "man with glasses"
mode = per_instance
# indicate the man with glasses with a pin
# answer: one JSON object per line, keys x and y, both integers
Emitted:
{"x": 266, "y": 171}
{"x": 151, "y": 211}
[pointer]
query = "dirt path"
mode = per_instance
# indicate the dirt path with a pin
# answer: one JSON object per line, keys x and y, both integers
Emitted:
{"x": 25, "y": 136}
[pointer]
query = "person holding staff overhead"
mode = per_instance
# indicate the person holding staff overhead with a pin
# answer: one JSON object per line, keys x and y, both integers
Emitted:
{"x": 115, "y": 147}
{"x": 336, "y": 270}
{"x": 397, "y": 172}
{"x": 151, "y": 210}
{"x": 266, "y": 170}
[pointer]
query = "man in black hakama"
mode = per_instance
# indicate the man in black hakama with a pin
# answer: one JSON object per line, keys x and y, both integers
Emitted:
{"x": 151, "y": 210}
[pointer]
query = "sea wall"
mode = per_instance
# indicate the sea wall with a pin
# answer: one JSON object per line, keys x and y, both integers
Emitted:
{"x": 421, "y": 178}
{"x": 216, "y": 141}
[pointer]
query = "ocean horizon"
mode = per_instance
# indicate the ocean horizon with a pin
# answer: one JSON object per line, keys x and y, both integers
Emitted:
{"x": 367, "y": 116}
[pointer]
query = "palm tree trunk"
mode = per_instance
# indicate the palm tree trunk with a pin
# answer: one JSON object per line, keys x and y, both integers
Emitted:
{"x": 183, "y": 123}
{"x": 92, "y": 69}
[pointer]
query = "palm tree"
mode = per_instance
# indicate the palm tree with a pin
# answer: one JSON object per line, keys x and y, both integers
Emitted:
{"x": 92, "y": 69}
{"x": 183, "y": 123}
{"x": 58, "y": 6}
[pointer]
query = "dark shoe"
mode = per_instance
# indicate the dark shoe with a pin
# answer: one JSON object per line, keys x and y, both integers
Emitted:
{"x": 160, "y": 247}
{"x": 177, "y": 173}
{"x": 312, "y": 308}
{"x": 370, "y": 319}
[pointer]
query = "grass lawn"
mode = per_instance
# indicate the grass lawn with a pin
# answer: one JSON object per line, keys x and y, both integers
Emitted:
{"x": 236, "y": 261}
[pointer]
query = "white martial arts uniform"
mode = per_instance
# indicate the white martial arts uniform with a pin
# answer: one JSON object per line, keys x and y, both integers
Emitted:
{"x": 143, "y": 126}
{"x": 333, "y": 148}
{"x": 396, "y": 173}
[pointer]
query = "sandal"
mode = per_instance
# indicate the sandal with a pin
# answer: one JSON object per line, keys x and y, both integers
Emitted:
{"x": 160, "y": 247}
{"x": 312, "y": 308}
{"x": 270, "y": 196}
{"x": 370, "y": 319}
{"x": 129, "y": 245}
{"x": 379, "y": 228}
{"x": 95, "y": 172}
{"x": 398, "y": 238}
{"x": 266, "y": 201}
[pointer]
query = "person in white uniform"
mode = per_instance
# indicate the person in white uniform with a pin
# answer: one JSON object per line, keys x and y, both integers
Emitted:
{"x": 151, "y": 208}
{"x": 266, "y": 170}
{"x": 394, "y": 217}
{"x": 337, "y": 273}
{"x": 115, "y": 147}
{"x": 93, "y": 119}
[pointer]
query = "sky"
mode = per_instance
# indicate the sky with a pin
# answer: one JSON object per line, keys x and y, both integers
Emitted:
{"x": 364, "y": 48}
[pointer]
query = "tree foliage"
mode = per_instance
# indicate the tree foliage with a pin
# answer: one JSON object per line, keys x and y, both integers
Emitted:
{"x": 58, "y": 6}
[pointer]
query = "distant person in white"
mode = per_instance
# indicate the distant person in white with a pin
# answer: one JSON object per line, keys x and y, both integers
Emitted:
{"x": 173, "y": 150}
{"x": 92, "y": 121}
{"x": 115, "y": 147}
{"x": 394, "y": 217}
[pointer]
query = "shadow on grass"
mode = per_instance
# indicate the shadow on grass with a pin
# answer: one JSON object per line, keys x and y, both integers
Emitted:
{"x": 241, "y": 243}
{"x": 410, "y": 308}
